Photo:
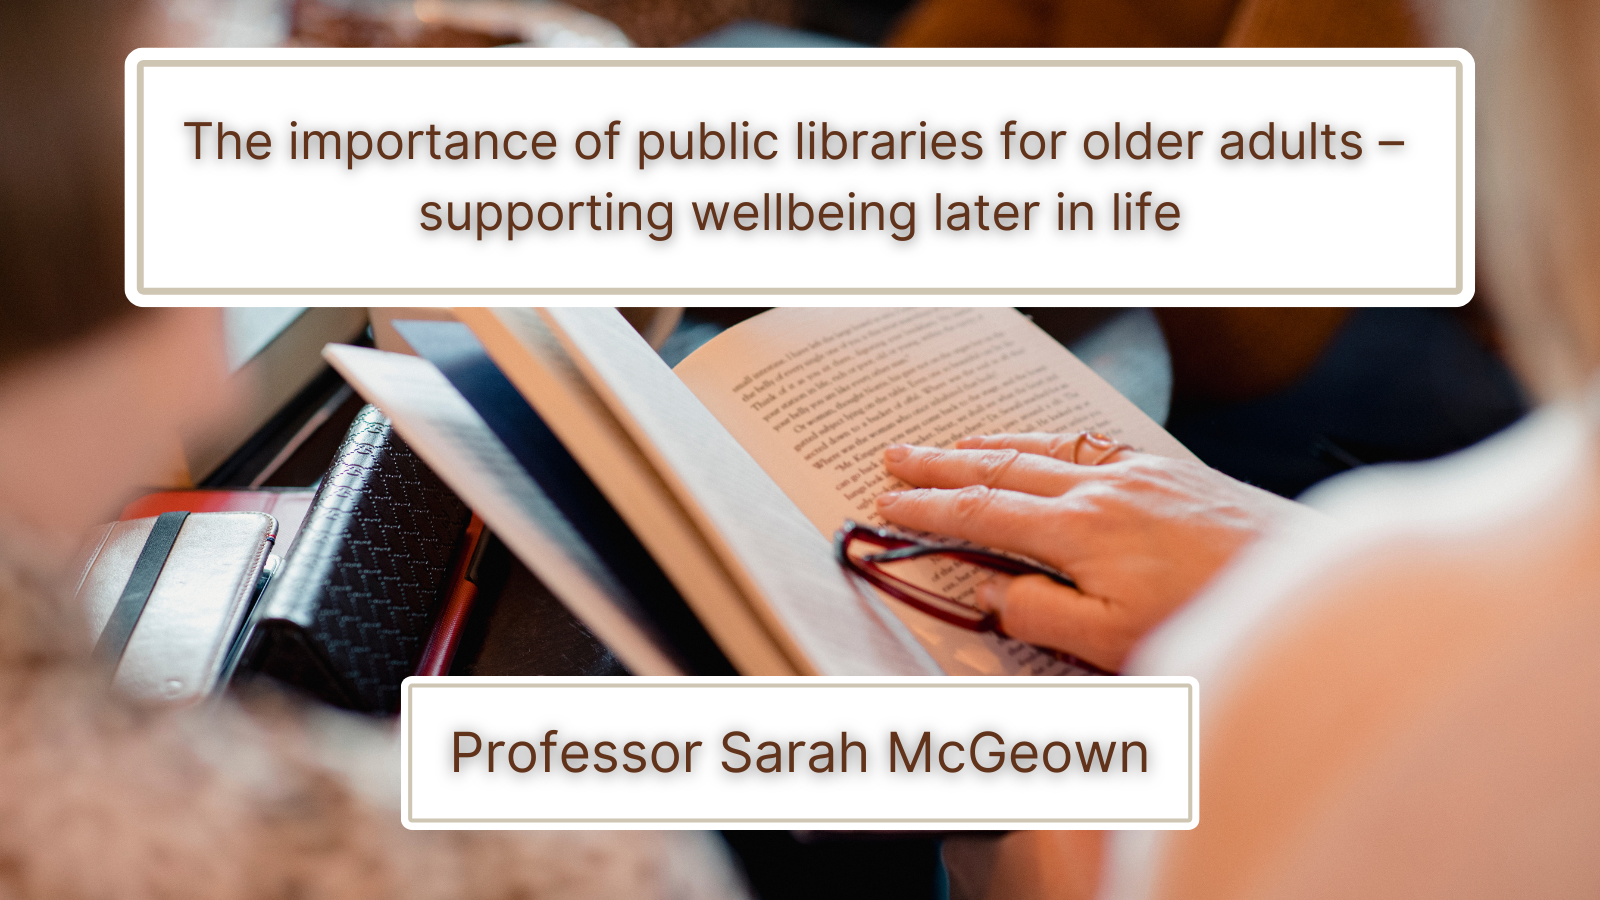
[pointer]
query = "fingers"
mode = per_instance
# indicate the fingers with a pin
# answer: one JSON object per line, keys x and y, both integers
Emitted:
{"x": 1007, "y": 469}
{"x": 1006, "y": 520}
{"x": 1037, "y": 610}
{"x": 1084, "y": 448}
{"x": 1058, "y": 446}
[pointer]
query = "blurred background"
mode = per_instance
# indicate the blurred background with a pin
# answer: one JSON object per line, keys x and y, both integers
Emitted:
{"x": 486, "y": 23}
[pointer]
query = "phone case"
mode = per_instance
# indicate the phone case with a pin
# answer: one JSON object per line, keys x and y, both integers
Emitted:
{"x": 167, "y": 596}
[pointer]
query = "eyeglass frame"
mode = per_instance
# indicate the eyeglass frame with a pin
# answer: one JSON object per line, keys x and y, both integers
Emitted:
{"x": 899, "y": 546}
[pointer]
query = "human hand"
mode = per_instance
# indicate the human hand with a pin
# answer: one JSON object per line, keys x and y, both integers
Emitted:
{"x": 1139, "y": 533}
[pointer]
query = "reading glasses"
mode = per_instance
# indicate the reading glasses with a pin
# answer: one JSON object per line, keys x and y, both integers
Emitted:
{"x": 872, "y": 553}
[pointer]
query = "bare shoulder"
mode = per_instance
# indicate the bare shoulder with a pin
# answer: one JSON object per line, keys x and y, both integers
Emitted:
{"x": 1355, "y": 735}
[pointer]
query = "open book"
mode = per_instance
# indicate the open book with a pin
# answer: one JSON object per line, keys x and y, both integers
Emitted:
{"x": 685, "y": 515}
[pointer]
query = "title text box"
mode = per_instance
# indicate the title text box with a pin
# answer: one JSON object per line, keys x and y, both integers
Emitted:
{"x": 1149, "y": 176}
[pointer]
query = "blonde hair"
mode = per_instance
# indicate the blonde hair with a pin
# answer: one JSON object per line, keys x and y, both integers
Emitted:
{"x": 1538, "y": 86}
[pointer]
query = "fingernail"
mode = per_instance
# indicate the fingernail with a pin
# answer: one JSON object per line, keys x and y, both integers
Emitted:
{"x": 967, "y": 443}
{"x": 887, "y": 497}
{"x": 992, "y": 593}
{"x": 897, "y": 452}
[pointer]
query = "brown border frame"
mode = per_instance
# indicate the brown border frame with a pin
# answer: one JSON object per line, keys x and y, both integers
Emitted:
{"x": 626, "y": 683}
{"x": 830, "y": 63}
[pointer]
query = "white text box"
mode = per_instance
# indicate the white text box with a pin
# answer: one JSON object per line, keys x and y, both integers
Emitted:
{"x": 1356, "y": 218}
{"x": 907, "y": 753}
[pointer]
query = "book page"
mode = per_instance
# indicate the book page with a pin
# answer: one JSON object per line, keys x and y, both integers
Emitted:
{"x": 812, "y": 608}
{"x": 815, "y": 395}
{"x": 532, "y": 358}
{"x": 450, "y": 436}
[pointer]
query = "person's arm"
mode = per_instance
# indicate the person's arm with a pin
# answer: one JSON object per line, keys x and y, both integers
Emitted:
{"x": 1139, "y": 533}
